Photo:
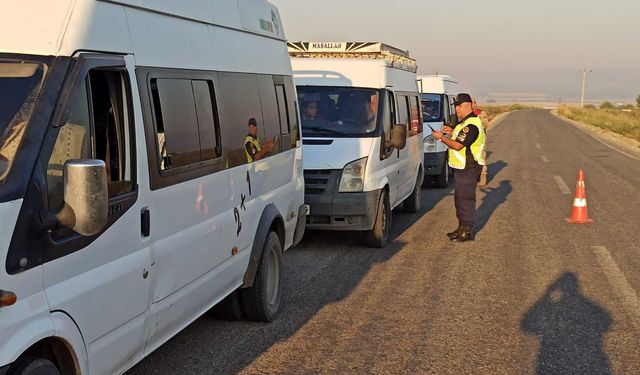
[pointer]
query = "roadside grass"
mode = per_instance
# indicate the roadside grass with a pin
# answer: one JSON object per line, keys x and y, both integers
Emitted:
{"x": 625, "y": 123}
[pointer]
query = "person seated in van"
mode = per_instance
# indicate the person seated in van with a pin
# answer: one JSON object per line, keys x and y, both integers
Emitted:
{"x": 310, "y": 111}
{"x": 253, "y": 147}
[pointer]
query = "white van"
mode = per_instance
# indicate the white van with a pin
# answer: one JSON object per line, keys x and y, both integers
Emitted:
{"x": 130, "y": 202}
{"x": 436, "y": 94}
{"x": 363, "y": 145}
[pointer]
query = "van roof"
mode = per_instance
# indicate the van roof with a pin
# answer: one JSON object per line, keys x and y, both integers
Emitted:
{"x": 437, "y": 84}
{"x": 392, "y": 56}
{"x": 61, "y": 27}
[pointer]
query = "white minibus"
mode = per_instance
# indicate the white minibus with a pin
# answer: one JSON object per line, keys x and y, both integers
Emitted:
{"x": 150, "y": 167}
{"x": 362, "y": 134}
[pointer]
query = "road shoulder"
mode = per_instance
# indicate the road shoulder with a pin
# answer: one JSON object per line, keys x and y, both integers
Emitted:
{"x": 615, "y": 140}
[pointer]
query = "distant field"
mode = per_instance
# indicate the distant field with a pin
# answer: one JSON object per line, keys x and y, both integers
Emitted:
{"x": 626, "y": 123}
{"x": 490, "y": 112}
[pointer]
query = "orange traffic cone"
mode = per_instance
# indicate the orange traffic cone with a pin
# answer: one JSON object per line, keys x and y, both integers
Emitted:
{"x": 579, "y": 212}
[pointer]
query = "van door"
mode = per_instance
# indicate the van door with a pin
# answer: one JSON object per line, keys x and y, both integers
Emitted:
{"x": 389, "y": 157}
{"x": 190, "y": 209}
{"x": 403, "y": 162}
{"x": 101, "y": 281}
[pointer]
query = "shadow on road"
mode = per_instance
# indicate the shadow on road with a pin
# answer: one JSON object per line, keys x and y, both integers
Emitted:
{"x": 494, "y": 168}
{"x": 571, "y": 329}
{"x": 493, "y": 198}
{"x": 325, "y": 268}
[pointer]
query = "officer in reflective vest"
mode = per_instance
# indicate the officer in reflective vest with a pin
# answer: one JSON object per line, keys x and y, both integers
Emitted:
{"x": 253, "y": 148}
{"x": 466, "y": 157}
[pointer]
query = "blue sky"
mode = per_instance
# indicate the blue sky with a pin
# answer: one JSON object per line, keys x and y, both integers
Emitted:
{"x": 495, "y": 47}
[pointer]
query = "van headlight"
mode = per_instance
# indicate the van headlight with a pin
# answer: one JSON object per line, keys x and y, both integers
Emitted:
{"x": 353, "y": 176}
{"x": 429, "y": 143}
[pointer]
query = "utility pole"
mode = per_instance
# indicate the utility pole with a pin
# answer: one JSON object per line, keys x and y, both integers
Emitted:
{"x": 584, "y": 82}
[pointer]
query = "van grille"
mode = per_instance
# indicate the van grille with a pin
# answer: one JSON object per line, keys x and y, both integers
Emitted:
{"x": 316, "y": 181}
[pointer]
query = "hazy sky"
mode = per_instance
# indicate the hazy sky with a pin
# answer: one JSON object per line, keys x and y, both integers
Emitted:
{"x": 497, "y": 48}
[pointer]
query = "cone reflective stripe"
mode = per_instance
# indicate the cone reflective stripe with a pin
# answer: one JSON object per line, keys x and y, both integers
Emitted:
{"x": 579, "y": 213}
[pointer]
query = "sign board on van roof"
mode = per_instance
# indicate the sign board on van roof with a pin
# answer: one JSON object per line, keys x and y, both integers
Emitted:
{"x": 395, "y": 57}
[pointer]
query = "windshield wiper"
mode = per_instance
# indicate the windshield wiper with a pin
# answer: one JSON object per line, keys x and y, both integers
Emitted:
{"x": 317, "y": 129}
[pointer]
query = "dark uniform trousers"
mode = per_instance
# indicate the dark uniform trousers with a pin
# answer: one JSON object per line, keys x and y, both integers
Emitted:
{"x": 466, "y": 181}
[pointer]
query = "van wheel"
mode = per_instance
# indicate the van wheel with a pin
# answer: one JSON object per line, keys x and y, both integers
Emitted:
{"x": 229, "y": 308}
{"x": 412, "y": 203}
{"x": 261, "y": 302}
{"x": 442, "y": 180}
{"x": 33, "y": 366}
{"x": 379, "y": 235}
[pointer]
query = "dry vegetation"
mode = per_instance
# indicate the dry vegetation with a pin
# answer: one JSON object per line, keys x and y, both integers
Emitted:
{"x": 490, "y": 112}
{"x": 626, "y": 123}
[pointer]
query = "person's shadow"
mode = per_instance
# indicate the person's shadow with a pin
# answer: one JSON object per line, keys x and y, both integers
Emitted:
{"x": 490, "y": 202}
{"x": 571, "y": 329}
{"x": 494, "y": 168}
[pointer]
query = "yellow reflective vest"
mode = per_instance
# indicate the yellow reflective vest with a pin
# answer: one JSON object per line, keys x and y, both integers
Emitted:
{"x": 458, "y": 159}
{"x": 251, "y": 144}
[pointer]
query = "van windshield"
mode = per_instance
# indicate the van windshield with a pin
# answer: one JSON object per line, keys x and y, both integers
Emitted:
{"x": 337, "y": 111}
{"x": 431, "y": 107}
{"x": 20, "y": 85}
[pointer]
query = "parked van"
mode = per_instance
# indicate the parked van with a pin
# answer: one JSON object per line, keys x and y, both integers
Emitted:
{"x": 362, "y": 134}
{"x": 436, "y": 93}
{"x": 149, "y": 167}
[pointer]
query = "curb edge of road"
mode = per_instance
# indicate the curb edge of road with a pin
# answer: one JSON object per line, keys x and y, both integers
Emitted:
{"x": 498, "y": 120}
{"x": 617, "y": 141}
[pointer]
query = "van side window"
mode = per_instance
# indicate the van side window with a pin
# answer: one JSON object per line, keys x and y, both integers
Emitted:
{"x": 185, "y": 124}
{"x": 292, "y": 106}
{"x": 446, "y": 108}
{"x": 403, "y": 111}
{"x": 416, "y": 125}
{"x": 283, "y": 110}
{"x": 270, "y": 114}
{"x": 97, "y": 128}
{"x": 240, "y": 102}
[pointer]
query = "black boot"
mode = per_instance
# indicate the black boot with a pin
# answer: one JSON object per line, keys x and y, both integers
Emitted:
{"x": 456, "y": 232}
{"x": 466, "y": 234}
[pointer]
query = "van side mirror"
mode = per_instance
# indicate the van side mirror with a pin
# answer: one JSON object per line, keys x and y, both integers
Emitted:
{"x": 85, "y": 197}
{"x": 398, "y": 137}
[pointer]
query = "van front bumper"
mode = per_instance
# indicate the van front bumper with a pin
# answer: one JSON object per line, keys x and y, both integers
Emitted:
{"x": 332, "y": 210}
{"x": 433, "y": 162}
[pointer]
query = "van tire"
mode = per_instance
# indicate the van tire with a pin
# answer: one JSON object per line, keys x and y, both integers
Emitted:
{"x": 29, "y": 365}
{"x": 442, "y": 180}
{"x": 413, "y": 201}
{"x": 229, "y": 308}
{"x": 379, "y": 235}
{"x": 261, "y": 301}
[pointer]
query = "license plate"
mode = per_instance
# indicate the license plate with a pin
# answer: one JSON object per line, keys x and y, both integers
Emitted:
{"x": 307, "y": 209}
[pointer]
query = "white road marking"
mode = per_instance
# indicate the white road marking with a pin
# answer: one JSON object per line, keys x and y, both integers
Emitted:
{"x": 544, "y": 159}
{"x": 562, "y": 185}
{"x": 538, "y": 146}
{"x": 623, "y": 289}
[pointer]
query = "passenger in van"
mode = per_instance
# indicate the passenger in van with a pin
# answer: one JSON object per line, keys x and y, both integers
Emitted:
{"x": 255, "y": 149}
{"x": 310, "y": 111}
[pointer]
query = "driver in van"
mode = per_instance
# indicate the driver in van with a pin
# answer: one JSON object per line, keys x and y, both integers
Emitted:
{"x": 255, "y": 149}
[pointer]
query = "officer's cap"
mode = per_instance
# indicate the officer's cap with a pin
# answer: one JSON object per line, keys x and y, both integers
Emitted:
{"x": 462, "y": 98}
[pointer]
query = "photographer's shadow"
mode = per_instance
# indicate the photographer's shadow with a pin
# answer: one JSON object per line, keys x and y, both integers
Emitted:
{"x": 571, "y": 329}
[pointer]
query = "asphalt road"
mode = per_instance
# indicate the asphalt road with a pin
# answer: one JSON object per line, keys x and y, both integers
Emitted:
{"x": 532, "y": 294}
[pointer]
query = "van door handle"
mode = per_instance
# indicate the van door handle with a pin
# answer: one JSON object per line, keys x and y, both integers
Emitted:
{"x": 145, "y": 222}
